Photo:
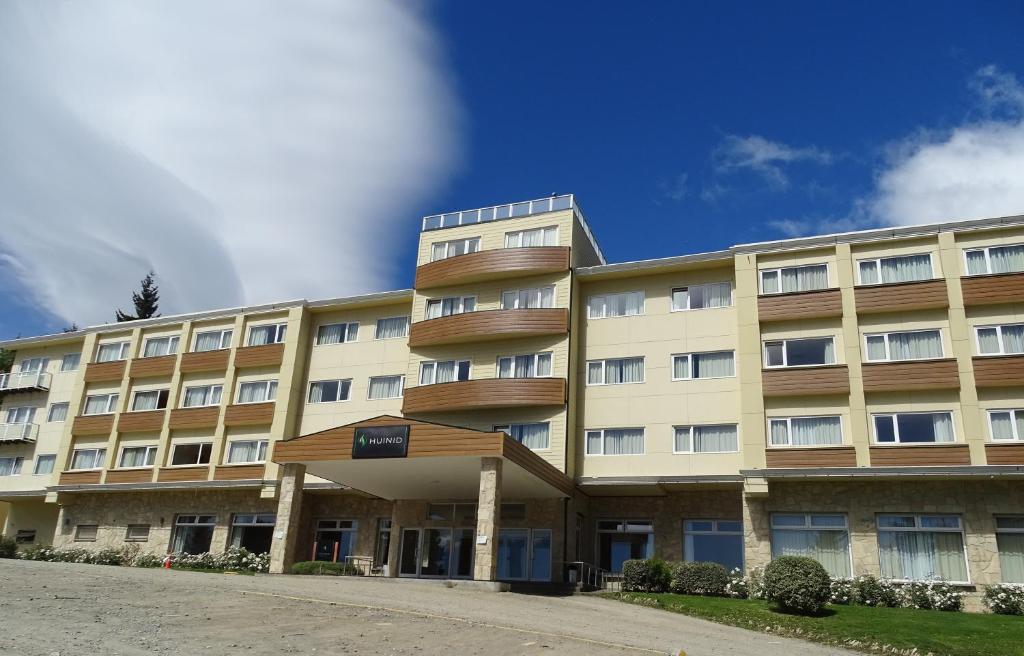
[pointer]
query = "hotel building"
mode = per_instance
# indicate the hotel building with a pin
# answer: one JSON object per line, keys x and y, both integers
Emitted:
{"x": 530, "y": 412}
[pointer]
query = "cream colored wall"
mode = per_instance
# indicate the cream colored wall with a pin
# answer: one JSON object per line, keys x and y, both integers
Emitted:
{"x": 492, "y": 233}
{"x": 488, "y": 294}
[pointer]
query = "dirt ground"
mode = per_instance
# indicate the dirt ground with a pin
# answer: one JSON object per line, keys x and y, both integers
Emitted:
{"x": 82, "y": 610}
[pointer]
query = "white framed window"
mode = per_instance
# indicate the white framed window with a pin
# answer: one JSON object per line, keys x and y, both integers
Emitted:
{"x": 445, "y": 371}
{"x": 786, "y": 280}
{"x": 86, "y": 532}
{"x": 897, "y": 347}
{"x": 252, "y": 532}
{"x": 33, "y": 365}
{"x": 150, "y": 400}
{"x": 100, "y": 404}
{"x": 901, "y": 268}
{"x": 615, "y": 441}
{"x": 710, "y": 364}
{"x": 823, "y": 430}
{"x": 913, "y": 427}
{"x": 212, "y": 340}
{"x": 44, "y": 464}
{"x": 88, "y": 458}
{"x": 623, "y": 304}
{"x": 257, "y": 391}
{"x": 714, "y": 541}
{"x": 186, "y": 455}
{"x": 137, "y": 456}
{"x": 137, "y": 533}
{"x": 718, "y": 438}
{"x": 10, "y": 466}
{"x": 803, "y": 352}
{"x": 58, "y": 412}
{"x": 534, "y": 237}
{"x": 536, "y": 436}
{"x": 1006, "y": 425}
{"x": 702, "y": 297}
{"x": 823, "y": 537}
{"x": 529, "y": 365}
{"x": 112, "y": 352}
{"x": 615, "y": 371}
{"x": 994, "y": 259}
{"x": 922, "y": 547}
{"x": 271, "y": 333}
{"x": 70, "y": 362}
{"x": 445, "y": 307}
{"x": 537, "y": 297}
{"x": 391, "y": 328}
{"x": 20, "y": 415}
{"x": 158, "y": 346}
{"x": 1006, "y": 339}
{"x": 442, "y": 250}
{"x": 193, "y": 533}
{"x": 337, "y": 333}
{"x": 247, "y": 451}
{"x": 202, "y": 396}
{"x": 1010, "y": 544}
{"x": 329, "y": 391}
{"x": 385, "y": 387}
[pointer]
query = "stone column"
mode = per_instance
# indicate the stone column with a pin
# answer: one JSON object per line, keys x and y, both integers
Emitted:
{"x": 485, "y": 565}
{"x": 289, "y": 517}
{"x": 395, "y": 545}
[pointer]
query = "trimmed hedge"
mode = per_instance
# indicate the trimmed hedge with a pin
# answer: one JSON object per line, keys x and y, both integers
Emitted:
{"x": 709, "y": 579}
{"x": 650, "y": 575}
{"x": 8, "y": 547}
{"x": 797, "y": 584}
{"x": 324, "y": 568}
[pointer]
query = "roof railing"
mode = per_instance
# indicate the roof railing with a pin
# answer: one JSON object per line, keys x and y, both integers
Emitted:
{"x": 498, "y": 212}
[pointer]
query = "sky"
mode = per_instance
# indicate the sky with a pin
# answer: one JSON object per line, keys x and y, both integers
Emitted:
{"x": 257, "y": 151}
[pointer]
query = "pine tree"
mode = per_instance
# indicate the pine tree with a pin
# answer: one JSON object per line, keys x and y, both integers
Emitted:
{"x": 146, "y": 301}
{"x": 6, "y": 360}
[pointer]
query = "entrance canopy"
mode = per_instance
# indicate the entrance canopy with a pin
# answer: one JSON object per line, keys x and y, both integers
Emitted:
{"x": 396, "y": 458}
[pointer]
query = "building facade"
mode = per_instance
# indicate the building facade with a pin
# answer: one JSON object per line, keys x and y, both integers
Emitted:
{"x": 528, "y": 410}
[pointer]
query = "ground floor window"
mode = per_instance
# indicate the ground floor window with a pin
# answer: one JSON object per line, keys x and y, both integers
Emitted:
{"x": 622, "y": 540}
{"x": 252, "y": 532}
{"x": 193, "y": 533}
{"x": 1010, "y": 539}
{"x": 334, "y": 539}
{"x": 916, "y": 547}
{"x": 714, "y": 541}
{"x": 25, "y": 536}
{"x": 86, "y": 532}
{"x": 524, "y": 554}
{"x": 383, "y": 544}
{"x": 823, "y": 537}
{"x": 137, "y": 533}
{"x": 437, "y": 552}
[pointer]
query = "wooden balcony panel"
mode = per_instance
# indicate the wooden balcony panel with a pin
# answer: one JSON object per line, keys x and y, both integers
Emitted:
{"x": 101, "y": 372}
{"x": 489, "y": 325}
{"x": 135, "y": 422}
{"x": 268, "y": 355}
{"x": 207, "y": 361}
{"x": 194, "y": 417}
{"x": 92, "y": 425}
{"x": 993, "y": 290}
{"x": 1005, "y": 454}
{"x": 805, "y": 381}
{"x": 249, "y": 414}
{"x": 929, "y": 455}
{"x": 129, "y": 476}
{"x": 999, "y": 371}
{"x": 483, "y": 394}
{"x": 80, "y": 477}
{"x": 795, "y": 457}
{"x": 159, "y": 367}
{"x": 910, "y": 376}
{"x": 819, "y": 304}
{"x": 175, "y": 474}
{"x": 238, "y": 472}
{"x": 901, "y": 297}
{"x": 492, "y": 264}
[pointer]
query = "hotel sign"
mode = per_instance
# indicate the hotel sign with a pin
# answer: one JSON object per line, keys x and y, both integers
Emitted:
{"x": 380, "y": 442}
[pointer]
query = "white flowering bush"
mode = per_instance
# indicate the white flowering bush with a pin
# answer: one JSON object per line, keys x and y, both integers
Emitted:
{"x": 841, "y": 592}
{"x": 755, "y": 583}
{"x": 737, "y": 587}
{"x": 866, "y": 590}
{"x": 234, "y": 559}
{"x": 1005, "y": 598}
{"x": 932, "y": 595}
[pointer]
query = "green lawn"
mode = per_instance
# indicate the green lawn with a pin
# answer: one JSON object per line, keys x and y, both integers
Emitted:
{"x": 858, "y": 627}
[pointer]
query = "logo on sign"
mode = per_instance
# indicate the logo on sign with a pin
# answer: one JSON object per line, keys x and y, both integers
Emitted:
{"x": 381, "y": 442}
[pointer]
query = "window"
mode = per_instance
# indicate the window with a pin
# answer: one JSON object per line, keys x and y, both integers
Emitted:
{"x": 535, "y": 237}
{"x": 714, "y": 541}
{"x": 334, "y": 539}
{"x": 391, "y": 328}
{"x": 259, "y": 391}
{"x": 625, "y": 304}
{"x": 112, "y": 352}
{"x": 787, "y": 280}
{"x": 70, "y": 361}
{"x": 202, "y": 396}
{"x": 893, "y": 347}
{"x": 386, "y": 387}
{"x": 88, "y": 458}
{"x": 443, "y": 372}
{"x": 20, "y": 415}
{"x": 702, "y": 297}
{"x": 44, "y": 464}
{"x": 994, "y": 259}
{"x": 10, "y": 466}
{"x": 100, "y": 404}
{"x": 441, "y": 250}
{"x": 904, "y": 268}
{"x": 1010, "y": 544}
{"x": 25, "y": 536}
{"x": 157, "y": 346}
{"x": 252, "y": 532}
{"x": 615, "y": 371}
{"x": 337, "y": 333}
{"x": 138, "y": 456}
{"x": 1006, "y": 425}
{"x": 917, "y": 547}
{"x": 213, "y": 340}
{"x": 622, "y": 540}
{"x": 445, "y": 307}
{"x": 805, "y": 431}
{"x": 713, "y": 364}
{"x": 150, "y": 400}
{"x": 1001, "y": 340}
{"x": 247, "y": 451}
{"x": 534, "y": 436}
{"x": 33, "y": 365}
{"x": 705, "y": 439}
{"x": 914, "y": 427}
{"x": 382, "y": 545}
{"x": 137, "y": 533}
{"x": 460, "y": 513}
{"x": 86, "y": 532}
{"x": 800, "y": 352}
{"x": 329, "y": 391}
{"x": 58, "y": 412}
{"x": 531, "y": 365}
{"x": 268, "y": 334}
{"x": 191, "y": 454}
{"x": 825, "y": 538}
{"x": 193, "y": 533}
{"x": 615, "y": 442}
{"x": 519, "y": 299}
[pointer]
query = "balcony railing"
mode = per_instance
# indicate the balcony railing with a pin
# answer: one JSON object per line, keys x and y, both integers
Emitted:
{"x": 498, "y": 212}
{"x": 18, "y": 432}
{"x": 25, "y": 380}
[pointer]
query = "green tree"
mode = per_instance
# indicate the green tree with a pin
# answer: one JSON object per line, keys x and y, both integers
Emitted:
{"x": 6, "y": 360}
{"x": 146, "y": 301}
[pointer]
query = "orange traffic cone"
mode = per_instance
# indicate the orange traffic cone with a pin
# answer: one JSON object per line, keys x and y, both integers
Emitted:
{"x": 167, "y": 561}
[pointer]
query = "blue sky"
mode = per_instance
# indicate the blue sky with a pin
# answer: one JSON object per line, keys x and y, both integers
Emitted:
{"x": 681, "y": 127}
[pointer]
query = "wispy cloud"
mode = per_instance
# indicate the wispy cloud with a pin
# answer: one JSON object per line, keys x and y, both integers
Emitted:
{"x": 764, "y": 157}
{"x": 675, "y": 189}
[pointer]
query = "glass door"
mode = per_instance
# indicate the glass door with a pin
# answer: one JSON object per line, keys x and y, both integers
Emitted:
{"x": 408, "y": 560}
{"x": 513, "y": 553}
{"x": 540, "y": 555}
{"x": 436, "y": 553}
{"x": 462, "y": 553}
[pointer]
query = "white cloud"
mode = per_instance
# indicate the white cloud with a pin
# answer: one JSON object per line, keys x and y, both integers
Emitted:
{"x": 764, "y": 157}
{"x": 675, "y": 189}
{"x": 247, "y": 151}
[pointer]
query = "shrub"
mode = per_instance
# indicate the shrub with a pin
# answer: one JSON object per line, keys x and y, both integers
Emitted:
{"x": 755, "y": 583}
{"x": 869, "y": 591}
{"x": 105, "y": 557}
{"x": 932, "y": 595}
{"x": 324, "y": 568}
{"x": 8, "y": 547}
{"x": 841, "y": 592}
{"x": 738, "y": 587}
{"x": 708, "y": 579}
{"x": 36, "y": 552}
{"x": 650, "y": 575}
{"x": 146, "y": 560}
{"x": 1005, "y": 598}
{"x": 797, "y": 584}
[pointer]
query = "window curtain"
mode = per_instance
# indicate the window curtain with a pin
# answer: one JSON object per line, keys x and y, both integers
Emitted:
{"x": 714, "y": 438}
{"x": 918, "y": 555}
{"x": 943, "y": 425}
{"x": 769, "y": 282}
{"x": 243, "y": 451}
{"x": 876, "y": 348}
{"x": 626, "y": 370}
{"x": 508, "y": 300}
{"x": 830, "y": 351}
{"x": 976, "y": 265}
{"x": 445, "y": 372}
{"x": 1013, "y": 339}
{"x": 915, "y": 346}
{"x": 533, "y": 237}
{"x": 718, "y": 294}
{"x": 146, "y": 401}
{"x": 386, "y": 387}
{"x": 626, "y": 304}
{"x": 391, "y": 328}
{"x": 208, "y": 341}
{"x": 868, "y": 273}
{"x": 95, "y": 405}
{"x": 332, "y": 334}
{"x": 10, "y": 466}
{"x": 681, "y": 299}
{"x": 682, "y": 439}
{"x": 906, "y": 269}
{"x": 108, "y": 353}
{"x": 196, "y": 396}
{"x": 1005, "y": 259}
{"x": 623, "y": 441}
{"x": 1011, "y": 556}
{"x": 800, "y": 279}
{"x": 58, "y": 412}
{"x": 830, "y": 548}
{"x": 596, "y": 307}
{"x": 1002, "y": 425}
{"x": 594, "y": 442}
{"x": 135, "y": 457}
{"x": 87, "y": 459}
{"x": 595, "y": 373}
{"x": 253, "y": 393}
{"x": 779, "y": 432}
{"x": 505, "y": 367}
{"x": 713, "y": 365}
{"x": 316, "y": 394}
{"x": 525, "y": 366}
{"x": 534, "y": 436}
{"x": 547, "y": 297}
{"x": 810, "y": 431}
{"x": 544, "y": 364}
{"x": 260, "y": 335}
{"x": 681, "y": 366}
